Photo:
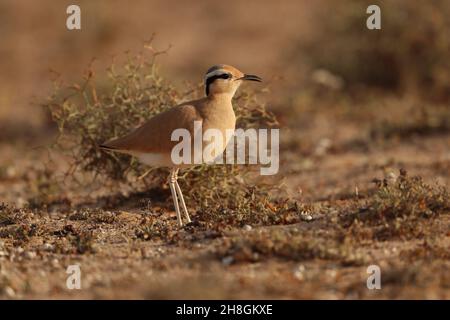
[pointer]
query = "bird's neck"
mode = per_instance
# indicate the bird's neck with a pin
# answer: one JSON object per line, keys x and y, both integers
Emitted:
{"x": 223, "y": 97}
{"x": 219, "y": 103}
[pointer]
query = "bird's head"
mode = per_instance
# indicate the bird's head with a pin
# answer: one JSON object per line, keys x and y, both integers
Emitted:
{"x": 225, "y": 79}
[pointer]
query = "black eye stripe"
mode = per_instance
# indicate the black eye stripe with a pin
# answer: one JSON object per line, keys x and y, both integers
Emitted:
{"x": 214, "y": 78}
{"x": 218, "y": 76}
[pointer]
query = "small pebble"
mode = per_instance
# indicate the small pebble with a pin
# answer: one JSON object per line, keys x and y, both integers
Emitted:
{"x": 11, "y": 172}
{"x": 391, "y": 178}
{"x": 306, "y": 216}
{"x": 30, "y": 254}
{"x": 55, "y": 263}
{"x": 10, "y": 292}
{"x": 299, "y": 272}
{"x": 47, "y": 247}
{"x": 227, "y": 260}
{"x": 247, "y": 227}
{"x": 331, "y": 273}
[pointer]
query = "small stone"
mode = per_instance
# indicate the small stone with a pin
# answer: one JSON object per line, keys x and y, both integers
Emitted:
{"x": 10, "y": 172}
{"x": 247, "y": 227}
{"x": 391, "y": 178}
{"x": 327, "y": 79}
{"x": 305, "y": 216}
{"x": 30, "y": 254}
{"x": 323, "y": 146}
{"x": 48, "y": 247}
{"x": 299, "y": 272}
{"x": 10, "y": 293}
{"x": 227, "y": 260}
{"x": 331, "y": 273}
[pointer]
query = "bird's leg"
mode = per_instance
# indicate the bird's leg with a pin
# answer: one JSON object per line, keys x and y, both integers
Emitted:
{"x": 180, "y": 195}
{"x": 172, "y": 184}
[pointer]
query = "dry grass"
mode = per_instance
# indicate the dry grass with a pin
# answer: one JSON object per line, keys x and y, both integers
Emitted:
{"x": 290, "y": 244}
{"x": 405, "y": 208}
{"x": 133, "y": 93}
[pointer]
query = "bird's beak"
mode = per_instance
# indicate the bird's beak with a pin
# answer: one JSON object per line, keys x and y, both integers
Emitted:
{"x": 250, "y": 77}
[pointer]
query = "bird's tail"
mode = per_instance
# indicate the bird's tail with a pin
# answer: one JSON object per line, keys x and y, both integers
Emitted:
{"x": 106, "y": 147}
{"x": 113, "y": 148}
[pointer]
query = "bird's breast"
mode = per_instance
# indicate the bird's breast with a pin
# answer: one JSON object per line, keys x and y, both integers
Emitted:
{"x": 218, "y": 129}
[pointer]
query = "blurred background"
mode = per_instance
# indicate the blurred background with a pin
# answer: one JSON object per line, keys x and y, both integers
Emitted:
{"x": 287, "y": 38}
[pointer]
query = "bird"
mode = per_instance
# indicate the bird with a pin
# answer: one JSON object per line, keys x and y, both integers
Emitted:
{"x": 151, "y": 143}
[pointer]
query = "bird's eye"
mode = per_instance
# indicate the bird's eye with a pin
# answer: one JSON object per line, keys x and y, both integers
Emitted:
{"x": 226, "y": 76}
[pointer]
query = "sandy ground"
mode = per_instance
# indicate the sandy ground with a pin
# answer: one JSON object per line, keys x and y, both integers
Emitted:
{"x": 327, "y": 164}
{"x": 190, "y": 262}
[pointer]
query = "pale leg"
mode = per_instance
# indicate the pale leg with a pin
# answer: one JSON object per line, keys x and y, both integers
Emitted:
{"x": 172, "y": 184}
{"x": 180, "y": 195}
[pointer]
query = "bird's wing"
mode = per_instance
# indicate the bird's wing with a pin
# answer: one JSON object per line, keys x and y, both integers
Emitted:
{"x": 155, "y": 135}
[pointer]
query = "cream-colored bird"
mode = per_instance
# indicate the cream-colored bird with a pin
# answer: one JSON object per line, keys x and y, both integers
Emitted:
{"x": 151, "y": 143}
